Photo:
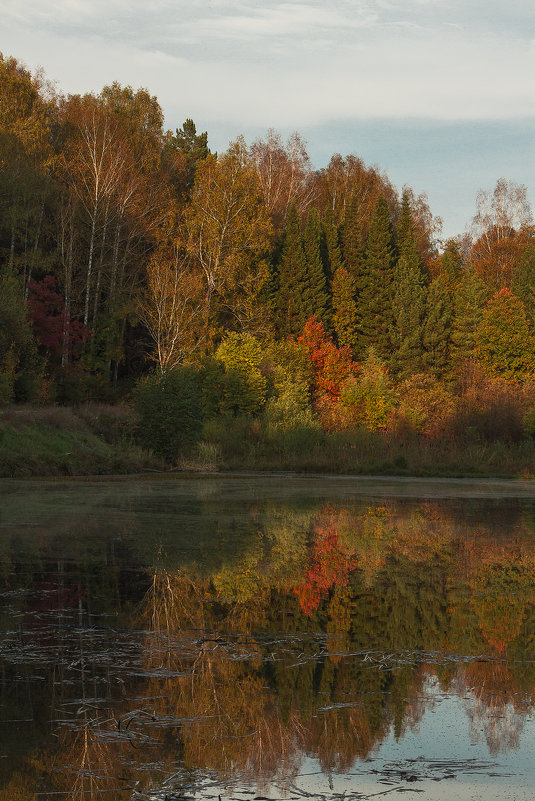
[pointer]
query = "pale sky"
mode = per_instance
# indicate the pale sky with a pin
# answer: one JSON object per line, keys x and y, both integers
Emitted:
{"x": 438, "y": 93}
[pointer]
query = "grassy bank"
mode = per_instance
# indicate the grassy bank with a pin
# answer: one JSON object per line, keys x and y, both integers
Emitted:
{"x": 245, "y": 446}
{"x": 58, "y": 441}
{"x": 101, "y": 440}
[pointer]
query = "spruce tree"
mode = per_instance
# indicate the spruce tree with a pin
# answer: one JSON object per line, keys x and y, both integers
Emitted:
{"x": 470, "y": 299}
{"x": 437, "y": 327}
{"x": 344, "y": 304}
{"x": 351, "y": 238}
{"x": 375, "y": 287}
{"x": 408, "y": 300}
{"x": 332, "y": 254}
{"x": 404, "y": 228}
{"x": 405, "y": 234}
{"x": 523, "y": 282}
{"x": 315, "y": 297}
{"x": 292, "y": 278}
{"x": 408, "y": 310}
{"x": 451, "y": 264}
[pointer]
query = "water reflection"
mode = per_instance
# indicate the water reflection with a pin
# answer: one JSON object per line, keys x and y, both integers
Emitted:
{"x": 166, "y": 644}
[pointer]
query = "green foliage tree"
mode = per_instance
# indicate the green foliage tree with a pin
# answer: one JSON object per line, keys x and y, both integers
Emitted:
{"x": 292, "y": 278}
{"x": 437, "y": 326}
{"x": 315, "y": 297}
{"x": 351, "y": 238}
{"x": 504, "y": 341}
{"x": 20, "y": 366}
{"x": 470, "y": 299}
{"x": 245, "y": 388}
{"x": 451, "y": 264}
{"x": 370, "y": 397}
{"x": 332, "y": 254}
{"x": 344, "y": 304}
{"x": 523, "y": 282}
{"x": 408, "y": 311}
{"x": 376, "y": 284}
{"x": 405, "y": 239}
{"x": 191, "y": 147}
{"x": 288, "y": 408}
{"x": 169, "y": 411}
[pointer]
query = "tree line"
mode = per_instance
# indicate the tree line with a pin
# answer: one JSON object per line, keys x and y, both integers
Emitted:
{"x": 125, "y": 246}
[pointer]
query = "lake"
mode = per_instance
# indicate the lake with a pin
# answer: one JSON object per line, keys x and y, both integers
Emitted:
{"x": 261, "y": 637}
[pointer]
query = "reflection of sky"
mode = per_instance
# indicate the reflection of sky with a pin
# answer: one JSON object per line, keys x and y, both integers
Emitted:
{"x": 442, "y": 736}
{"x": 337, "y": 72}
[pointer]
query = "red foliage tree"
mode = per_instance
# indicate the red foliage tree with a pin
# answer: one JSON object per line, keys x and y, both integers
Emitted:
{"x": 56, "y": 333}
{"x": 331, "y": 365}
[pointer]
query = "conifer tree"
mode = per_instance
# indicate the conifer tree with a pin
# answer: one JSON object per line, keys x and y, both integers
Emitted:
{"x": 404, "y": 228}
{"x": 193, "y": 148}
{"x": 405, "y": 234}
{"x": 408, "y": 310}
{"x": 437, "y": 326}
{"x": 376, "y": 285}
{"x": 292, "y": 278}
{"x": 344, "y": 303}
{"x": 332, "y": 254}
{"x": 451, "y": 264}
{"x": 315, "y": 296}
{"x": 470, "y": 299}
{"x": 351, "y": 238}
{"x": 523, "y": 282}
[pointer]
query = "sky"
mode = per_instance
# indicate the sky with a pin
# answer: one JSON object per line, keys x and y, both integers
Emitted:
{"x": 437, "y": 93}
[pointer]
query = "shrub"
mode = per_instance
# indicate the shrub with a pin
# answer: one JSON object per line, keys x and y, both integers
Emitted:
{"x": 244, "y": 386}
{"x": 369, "y": 399}
{"x": 424, "y": 403}
{"x": 491, "y": 408}
{"x": 168, "y": 406}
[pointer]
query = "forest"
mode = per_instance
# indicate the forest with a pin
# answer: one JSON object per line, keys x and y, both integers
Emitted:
{"x": 245, "y": 309}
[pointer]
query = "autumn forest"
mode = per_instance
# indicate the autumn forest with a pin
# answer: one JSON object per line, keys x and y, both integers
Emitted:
{"x": 243, "y": 308}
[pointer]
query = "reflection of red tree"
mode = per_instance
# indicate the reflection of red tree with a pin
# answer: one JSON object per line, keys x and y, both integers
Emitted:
{"x": 331, "y": 563}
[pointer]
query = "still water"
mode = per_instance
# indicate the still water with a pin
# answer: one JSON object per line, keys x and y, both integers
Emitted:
{"x": 267, "y": 638}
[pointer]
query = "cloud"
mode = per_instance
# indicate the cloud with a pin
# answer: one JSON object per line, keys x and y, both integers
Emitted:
{"x": 298, "y": 63}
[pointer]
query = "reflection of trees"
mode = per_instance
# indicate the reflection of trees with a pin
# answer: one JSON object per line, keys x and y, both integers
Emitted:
{"x": 235, "y": 668}
{"x": 214, "y": 685}
{"x": 501, "y": 591}
{"x": 495, "y": 706}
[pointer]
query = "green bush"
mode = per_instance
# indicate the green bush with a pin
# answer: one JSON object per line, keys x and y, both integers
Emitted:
{"x": 168, "y": 405}
{"x": 369, "y": 399}
{"x": 244, "y": 386}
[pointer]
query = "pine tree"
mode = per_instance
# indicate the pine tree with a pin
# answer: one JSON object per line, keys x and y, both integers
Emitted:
{"x": 523, "y": 282}
{"x": 315, "y": 296}
{"x": 437, "y": 327}
{"x": 376, "y": 285}
{"x": 344, "y": 303}
{"x": 193, "y": 147}
{"x": 470, "y": 299}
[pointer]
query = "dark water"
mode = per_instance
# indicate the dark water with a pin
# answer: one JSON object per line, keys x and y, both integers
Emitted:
{"x": 267, "y": 638}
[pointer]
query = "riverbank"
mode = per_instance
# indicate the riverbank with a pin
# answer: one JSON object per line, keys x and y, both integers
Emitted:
{"x": 60, "y": 441}
{"x": 101, "y": 440}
